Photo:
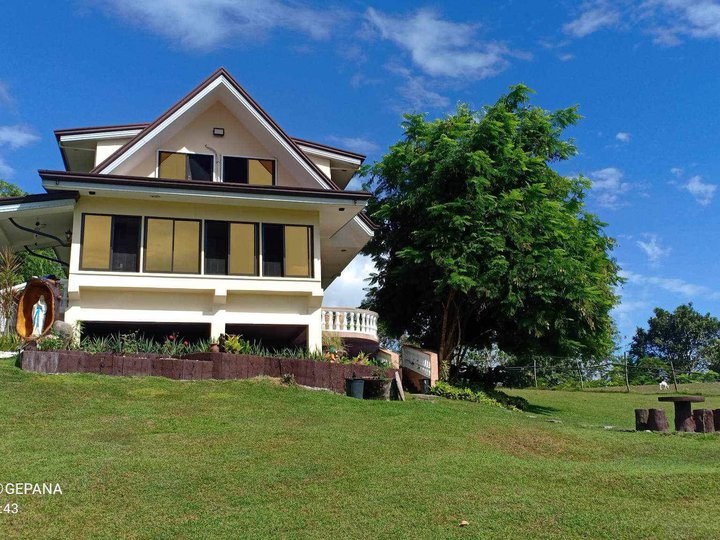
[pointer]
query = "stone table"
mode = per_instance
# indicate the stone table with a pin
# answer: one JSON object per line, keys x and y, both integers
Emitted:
{"x": 684, "y": 420}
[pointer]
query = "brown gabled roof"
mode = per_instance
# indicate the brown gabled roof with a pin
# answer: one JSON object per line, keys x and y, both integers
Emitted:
{"x": 121, "y": 127}
{"x": 221, "y": 72}
{"x": 97, "y": 129}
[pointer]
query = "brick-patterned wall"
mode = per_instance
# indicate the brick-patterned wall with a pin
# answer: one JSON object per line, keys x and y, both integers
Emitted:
{"x": 198, "y": 366}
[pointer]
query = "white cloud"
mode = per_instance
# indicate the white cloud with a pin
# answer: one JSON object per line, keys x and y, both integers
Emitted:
{"x": 441, "y": 48}
{"x": 679, "y": 287}
{"x": 672, "y": 19}
{"x": 347, "y": 290}
{"x": 211, "y": 24}
{"x": 676, "y": 171}
{"x": 5, "y": 96}
{"x": 566, "y": 57}
{"x": 608, "y": 187}
{"x": 702, "y": 191}
{"x": 355, "y": 144}
{"x": 16, "y": 136}
{"x": 623, "y": 136}
{"x": 594, "y": 17}
{"x": 418, "y": 96}
{"x": 653, "y": 249}
{"x": 6, "y": 171}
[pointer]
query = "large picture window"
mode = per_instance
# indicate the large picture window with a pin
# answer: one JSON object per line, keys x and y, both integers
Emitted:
{"x": 248, "y": 171}
{"x": 181, "y": 166}
{"x": 287, "y": 250}
{"x": 172, "y": 245}
{"x": 230, "y": 248}
{"x": 110, "y": 243}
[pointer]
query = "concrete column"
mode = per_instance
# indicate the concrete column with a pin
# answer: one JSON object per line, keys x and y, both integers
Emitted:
{"x": 217, "y": 325}
{"x": 315, "y": 331}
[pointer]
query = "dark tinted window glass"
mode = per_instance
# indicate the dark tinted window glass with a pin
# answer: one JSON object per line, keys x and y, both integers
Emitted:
{"x": 272, "y": 250}
{"x": 125, "y": 243}
{"x": 216, "y": 247}
{"x": 201, "y": 167}
{"x": 235, "y": 169}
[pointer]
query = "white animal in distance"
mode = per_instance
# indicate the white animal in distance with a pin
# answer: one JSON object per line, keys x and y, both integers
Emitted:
{"x": 664, "y": 385}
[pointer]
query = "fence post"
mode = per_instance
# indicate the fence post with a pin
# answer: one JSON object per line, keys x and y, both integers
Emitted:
{"x": 672, "y": 368}
{"x": 582, "y": 382}
{"x": 627, "y": 378}
{"x": 535, "y": 370}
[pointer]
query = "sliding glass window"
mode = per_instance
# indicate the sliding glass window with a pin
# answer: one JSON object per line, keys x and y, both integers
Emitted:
{"x": 172, "y": 245}
{"x": 231, "y": 248}
{"x": 182, "y": 166}
{"x": 242, "y": 170}
{"x": 287, "y": 250}
{"x": 110, "y": 243}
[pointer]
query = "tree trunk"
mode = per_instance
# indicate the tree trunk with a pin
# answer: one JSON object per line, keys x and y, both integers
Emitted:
{"x": 447, "y": 331}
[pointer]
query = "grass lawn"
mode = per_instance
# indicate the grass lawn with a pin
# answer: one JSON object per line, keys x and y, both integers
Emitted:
{"x": 156, "y": 458}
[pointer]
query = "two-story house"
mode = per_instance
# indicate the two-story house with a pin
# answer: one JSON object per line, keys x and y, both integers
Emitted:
{"x": 210, "y": 219}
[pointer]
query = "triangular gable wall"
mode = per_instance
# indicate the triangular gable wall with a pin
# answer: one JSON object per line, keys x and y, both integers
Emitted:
{"x": 220, "y": 86}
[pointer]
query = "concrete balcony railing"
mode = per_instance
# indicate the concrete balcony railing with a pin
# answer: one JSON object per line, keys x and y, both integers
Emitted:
{"x": 350, "y": 322}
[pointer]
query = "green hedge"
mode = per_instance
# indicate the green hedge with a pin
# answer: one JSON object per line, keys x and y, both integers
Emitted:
{"x": 497, "y": 398}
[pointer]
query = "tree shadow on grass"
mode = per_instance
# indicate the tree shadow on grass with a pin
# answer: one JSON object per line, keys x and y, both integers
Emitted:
{"x": 541, "y": 409}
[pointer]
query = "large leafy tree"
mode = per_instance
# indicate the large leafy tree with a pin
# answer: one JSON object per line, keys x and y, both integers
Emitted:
{"x": 31, "y": 266}
{"x": 685, "y": 337}
{"x": 481, "y": 242}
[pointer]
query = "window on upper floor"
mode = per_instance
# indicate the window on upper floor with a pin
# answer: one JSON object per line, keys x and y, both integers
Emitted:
{"x": 182, "y": 166}
{"x": 287, "y": 250}
{"x": 231, "y": 248}
{"x": 172, "y": 245}
{"x": 110, "y": 243}
{"x": 241, "y": 170}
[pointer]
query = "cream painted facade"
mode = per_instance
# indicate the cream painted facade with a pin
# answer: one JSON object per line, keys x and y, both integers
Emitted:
{"x": 114, "y": 171}
{"x": 194, "y": 298}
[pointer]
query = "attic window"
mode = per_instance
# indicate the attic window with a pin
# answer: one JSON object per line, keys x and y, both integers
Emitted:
{"x": 181, "y": 166}
{"x": 241, "y": 170}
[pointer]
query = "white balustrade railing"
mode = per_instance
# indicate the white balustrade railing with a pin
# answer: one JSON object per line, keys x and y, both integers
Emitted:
{"x": 358, "y": 321}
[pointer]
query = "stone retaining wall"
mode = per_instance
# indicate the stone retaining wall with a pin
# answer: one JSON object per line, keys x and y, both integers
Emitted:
{"x": 198, "y": 366}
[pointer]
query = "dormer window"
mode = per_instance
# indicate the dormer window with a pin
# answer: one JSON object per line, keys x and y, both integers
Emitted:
{"x": 183, "y": 166}
{"x": 243, "y": 170}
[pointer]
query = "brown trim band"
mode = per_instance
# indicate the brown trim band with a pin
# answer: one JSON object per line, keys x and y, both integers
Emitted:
{"x": 191, "y": 185}
{"x": 38, "y": 197}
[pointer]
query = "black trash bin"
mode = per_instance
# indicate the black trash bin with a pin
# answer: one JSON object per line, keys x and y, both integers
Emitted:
{"x": 355, "y": 387}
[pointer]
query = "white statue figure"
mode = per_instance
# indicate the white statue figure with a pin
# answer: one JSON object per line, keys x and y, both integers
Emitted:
{"x": 39, "y": 313}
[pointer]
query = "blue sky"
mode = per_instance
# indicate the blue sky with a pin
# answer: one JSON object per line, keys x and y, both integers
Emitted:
{"x": 645, "y": 75}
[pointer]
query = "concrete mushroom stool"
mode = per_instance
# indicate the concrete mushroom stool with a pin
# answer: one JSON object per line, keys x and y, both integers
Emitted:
{"x": 684, "y": 420}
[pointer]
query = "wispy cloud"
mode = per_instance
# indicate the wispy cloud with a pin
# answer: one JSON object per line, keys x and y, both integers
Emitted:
{"x": 623, "y": 136}
{"x": 653, "y": 249}
{"x": 6, "y": 171}
{"x": 354, "y": 144}
{"x": 441, "y": 48}
{"x": 595, "y": 16}
{"x": 670, "y": 20}
{"x": 608, "y": 187}
{"x": 566, "y": 57}
{"x": 417, "y": 94}
{"x": 703, "y": 192}
{"x": 5, "y": 96}
{"x": 210, "y": 24}
{"x": 16, "y": 136}
{"x": 679, "y": 287}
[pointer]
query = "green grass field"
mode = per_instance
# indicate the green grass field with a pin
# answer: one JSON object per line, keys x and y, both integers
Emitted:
{"x": 156, "y": 458}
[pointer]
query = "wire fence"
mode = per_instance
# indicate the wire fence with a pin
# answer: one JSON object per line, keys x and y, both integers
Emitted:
{"x": 549, "y": 372}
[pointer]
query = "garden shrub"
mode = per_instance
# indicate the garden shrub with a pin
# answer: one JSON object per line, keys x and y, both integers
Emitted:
{"x": 496, "y": 398}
